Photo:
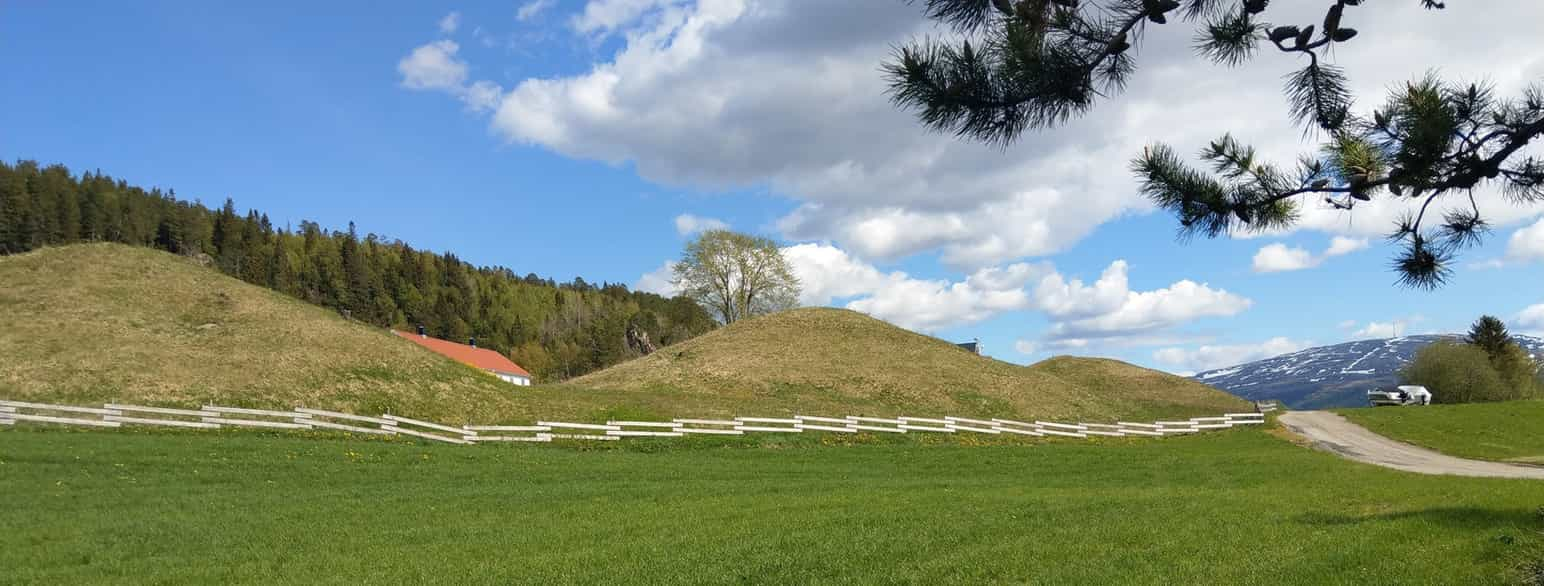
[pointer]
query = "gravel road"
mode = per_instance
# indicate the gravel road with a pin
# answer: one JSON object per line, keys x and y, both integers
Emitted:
{"x": 1333, "y": 433}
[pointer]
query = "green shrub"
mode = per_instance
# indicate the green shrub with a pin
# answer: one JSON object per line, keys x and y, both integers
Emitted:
{"x": 1456, "y": 373}
{"x": 1519, "y": 372}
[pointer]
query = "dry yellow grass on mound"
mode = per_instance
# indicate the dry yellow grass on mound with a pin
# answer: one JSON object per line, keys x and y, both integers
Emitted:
{"x": 830, "y": 360}
{"x": 105, "y": 322}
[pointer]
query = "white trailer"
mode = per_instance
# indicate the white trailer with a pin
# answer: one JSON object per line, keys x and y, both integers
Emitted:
{"x": 1399, "y": 396}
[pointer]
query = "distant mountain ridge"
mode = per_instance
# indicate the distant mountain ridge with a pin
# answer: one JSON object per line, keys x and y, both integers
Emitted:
{"x": 1330, "y": 376}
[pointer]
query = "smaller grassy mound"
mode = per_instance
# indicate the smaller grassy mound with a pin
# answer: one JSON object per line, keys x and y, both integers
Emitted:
{"x": 821, "y": 360}
{"x": 1507, "y": 431}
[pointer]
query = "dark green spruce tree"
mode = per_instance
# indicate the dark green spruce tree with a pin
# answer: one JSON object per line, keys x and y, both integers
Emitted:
{"x": 1022, "y": 65}
{"x": 1490, "y": 335}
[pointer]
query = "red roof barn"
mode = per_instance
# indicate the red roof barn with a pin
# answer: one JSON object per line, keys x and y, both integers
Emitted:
{"x": 471, "y": 355}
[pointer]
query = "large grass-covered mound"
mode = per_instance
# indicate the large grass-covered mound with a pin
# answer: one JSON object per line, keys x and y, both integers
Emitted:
{"x": 104, "y": 322}
{"x": 838, "y": 361}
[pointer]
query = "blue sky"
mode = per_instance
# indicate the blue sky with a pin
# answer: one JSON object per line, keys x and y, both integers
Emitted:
{"x": 570, "y": 139}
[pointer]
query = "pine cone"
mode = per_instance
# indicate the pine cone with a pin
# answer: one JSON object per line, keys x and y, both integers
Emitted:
{"x": 1119, "y": 45}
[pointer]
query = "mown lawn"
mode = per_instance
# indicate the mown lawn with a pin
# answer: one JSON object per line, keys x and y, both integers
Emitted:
{"x": 1233, "y": 507}
{"x": 1512, "y": 430}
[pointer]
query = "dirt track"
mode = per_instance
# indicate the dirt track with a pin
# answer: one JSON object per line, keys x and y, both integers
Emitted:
{"x": 1332, "y": 433}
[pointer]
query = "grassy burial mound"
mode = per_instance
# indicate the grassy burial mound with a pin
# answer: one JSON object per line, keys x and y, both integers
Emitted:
{"x": 104, "y": 322}
{"x": 108, "y": 323}
{"x": 822, "y": 360}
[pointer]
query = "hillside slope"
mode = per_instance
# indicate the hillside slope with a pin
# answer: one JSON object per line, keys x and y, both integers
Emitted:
{"x": 1330, "y": 376}
{"x": 821, "y": 360}
{"x": 107, "y": 322}
{"x": 104, "y": 322}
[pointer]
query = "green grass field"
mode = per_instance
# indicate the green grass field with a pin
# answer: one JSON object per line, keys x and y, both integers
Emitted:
{"x": 1240, "y": 506}
{"x": 1510, "y": 431}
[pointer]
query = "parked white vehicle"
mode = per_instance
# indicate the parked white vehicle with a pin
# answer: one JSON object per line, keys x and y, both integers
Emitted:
{"x": 1399, "y": 396}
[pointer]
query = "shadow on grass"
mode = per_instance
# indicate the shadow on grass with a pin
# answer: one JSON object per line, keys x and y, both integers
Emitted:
{"x": 1519, "y": 534}
{"x": 1445, "y": 516}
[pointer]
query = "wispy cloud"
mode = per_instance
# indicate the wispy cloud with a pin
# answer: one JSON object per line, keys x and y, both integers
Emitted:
{"x": 450, "y": 23}
{"x": 532, "y": 9}
{"x": 1210, "y": 357}
{"x": 687, "y": 224}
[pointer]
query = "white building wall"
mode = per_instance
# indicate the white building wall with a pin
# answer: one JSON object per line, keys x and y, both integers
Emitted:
{"x": 513, "y": 379}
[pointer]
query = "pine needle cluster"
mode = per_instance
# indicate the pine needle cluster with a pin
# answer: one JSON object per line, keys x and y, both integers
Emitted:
{"x": 1017, "y": 66}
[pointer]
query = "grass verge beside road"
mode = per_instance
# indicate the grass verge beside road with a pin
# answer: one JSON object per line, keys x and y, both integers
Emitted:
{"x": 1509, "y": 431}
{"x": 1237, "y": 506}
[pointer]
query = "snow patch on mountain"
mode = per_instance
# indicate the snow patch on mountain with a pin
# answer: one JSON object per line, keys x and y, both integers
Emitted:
{"x": 1330, "y": 376}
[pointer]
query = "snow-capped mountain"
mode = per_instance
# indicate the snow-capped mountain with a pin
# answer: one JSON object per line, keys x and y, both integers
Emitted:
{"x": 1330, "y": 376}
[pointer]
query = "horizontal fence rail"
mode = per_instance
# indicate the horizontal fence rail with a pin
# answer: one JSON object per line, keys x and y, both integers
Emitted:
{"x": 301, "y": 418}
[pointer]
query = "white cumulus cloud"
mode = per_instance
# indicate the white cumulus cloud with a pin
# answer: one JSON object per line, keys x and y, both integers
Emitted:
{"x": 787, "y": 95}
{"x": 1381, "y": 329}
{"x": 1104, "y": 309}
{"x": 1531, "y": 319}
{"x": 1149, "y": 311}
{"x": 1278, "y": 257}
{"x": 435, "y": 66}
{"x": 1527, "y": 244}
{"x": 606, "y": 16}
{"x": 686, "y": 224}
{"x": 1275, "y": 258}
{"x": 1341, "y": 245}
{"x": 1212, "y": 357}
{"x": 660, "y": 281}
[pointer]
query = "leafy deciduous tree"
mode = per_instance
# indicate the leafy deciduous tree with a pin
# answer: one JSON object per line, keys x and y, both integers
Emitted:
{"x": 736, "y": 275}
{"x": 1455, "y": 373}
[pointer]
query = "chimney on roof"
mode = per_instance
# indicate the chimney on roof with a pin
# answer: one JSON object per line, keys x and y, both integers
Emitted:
{"x": 472, "y": 342}
{"x": 421, "y": 332}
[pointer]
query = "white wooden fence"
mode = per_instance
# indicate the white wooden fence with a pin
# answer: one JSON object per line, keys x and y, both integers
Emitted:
{"x": 214, "y": 417}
